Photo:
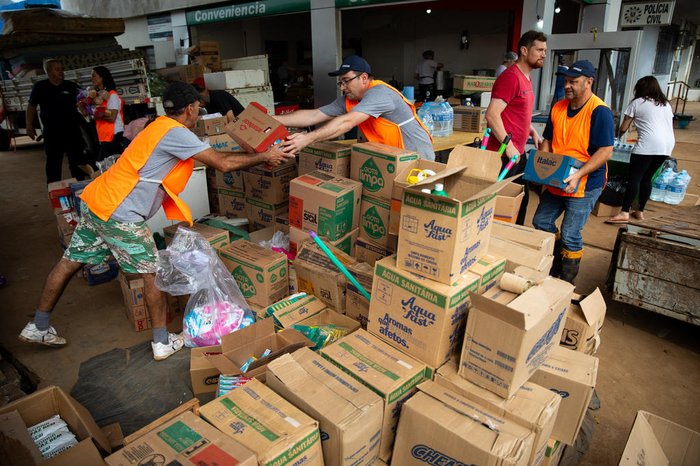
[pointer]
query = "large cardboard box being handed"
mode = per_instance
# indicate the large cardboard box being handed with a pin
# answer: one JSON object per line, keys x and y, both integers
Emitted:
{"x": 254, "y": 130}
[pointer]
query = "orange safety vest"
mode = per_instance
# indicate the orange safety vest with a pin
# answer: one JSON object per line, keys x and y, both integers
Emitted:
{"x": 380, "y": 129}
{"x": 571, "y": 136}
{"x": 106, "y": 192}
{"x": 105, "y": 129}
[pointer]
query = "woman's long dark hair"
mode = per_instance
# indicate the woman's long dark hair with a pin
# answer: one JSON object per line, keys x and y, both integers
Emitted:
{"x": 648, "y": 88}
{"x": 107, "y": 79}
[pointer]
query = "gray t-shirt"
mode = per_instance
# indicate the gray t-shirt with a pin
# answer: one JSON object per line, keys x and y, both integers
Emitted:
{"x": 382, "y": 101}
{"x": 147, "y": 197}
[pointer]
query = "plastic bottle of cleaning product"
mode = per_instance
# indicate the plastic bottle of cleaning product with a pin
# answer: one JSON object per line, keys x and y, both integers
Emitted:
{"x": 658, "y": 187}
{"x": 675, "y": 190}
{"x": 439, "y": 190}
{"x": 468, "y": 102}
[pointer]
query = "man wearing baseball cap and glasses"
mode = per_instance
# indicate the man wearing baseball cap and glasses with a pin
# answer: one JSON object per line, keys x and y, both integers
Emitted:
{"x": 381, "y": 113}
{"x": 151, "y": 173}
{"x": 581, "y": 126}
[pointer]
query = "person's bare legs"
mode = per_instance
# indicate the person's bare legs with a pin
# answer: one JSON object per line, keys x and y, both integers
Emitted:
{"x": 39, "y": 330}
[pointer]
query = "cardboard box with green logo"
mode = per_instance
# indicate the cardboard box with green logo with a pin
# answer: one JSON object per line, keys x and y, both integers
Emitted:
{"x": 216, "y": 236}
{"x": 326, "y": 156}
{"x": 376, "y": 165}
{"x": 261, "y": 214}
{"x": 288, "y": 312}
{"x": 489, "y": 268}
{"x": 231, "y": 203}
{"x": 264, "y": 422}
{"x": 230, "y": 180}
{"x": 269, "y": 184}
{"x": 318, "y": 275}
{"x": 326, "y": 204}
{"x": 261, "y": 273}
{"x": 421, "y": 317}
{"x": 350, "y": 414}
{"x": 387, "y": 371}
{"x": 438, "y": 426}
{"x": 441, "y": 237}
{"x": 374, "y": 220}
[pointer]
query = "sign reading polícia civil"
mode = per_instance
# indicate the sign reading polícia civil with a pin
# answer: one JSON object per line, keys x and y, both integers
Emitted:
{"x": 646, "y": 14}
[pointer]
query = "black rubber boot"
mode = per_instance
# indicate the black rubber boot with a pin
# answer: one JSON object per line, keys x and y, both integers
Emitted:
{"x": 556, "y": 265}
{"x": 569, "y": 269}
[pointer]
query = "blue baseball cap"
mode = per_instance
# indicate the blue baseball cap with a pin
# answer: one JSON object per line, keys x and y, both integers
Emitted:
{"x": 352, "y": 63}
{"x": 579, "y": 68}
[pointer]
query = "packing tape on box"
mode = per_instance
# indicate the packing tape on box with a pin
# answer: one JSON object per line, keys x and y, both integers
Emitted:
{"x": 514, "y": 283}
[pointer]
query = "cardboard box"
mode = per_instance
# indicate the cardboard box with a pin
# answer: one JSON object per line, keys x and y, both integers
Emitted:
{"x": 438, "y": 426}
{"x": 369, "y": 252}
{"x": 232, "y": 203}
{"x": 47, "y": 402}
{"x": 469, "y": 119}
{"x": 554, "y": 453}
{"x": 604, "y": 210}
{"x": 184, "y": 73}
{"x": 420, "y": 317}
{"x": 356, "y": 305}
{"x": 289, "y": 312}
{"x": 584, "y": 321}
{"x": 66, "y": 222}
{"x": 317, "y": 275}
{"x": 261, "y": 420}
{"x": 345, "y": 244}
{"x": 206, "y": 53}
{"x": 386, "y": 371}
{"x": 466, "y": 84}
{"x": 572, "y": 375}
{"x": 505, "y": 344}
{"x": 132, "y": 286}
{"x": 254, "y": 130}
{"x": 223, "y": 143}
{"x": 508, "y": 202}
{"x": 269, "y": 184}
{"x": 534, "y": 239}
{"x": 489, "y": 269}
{"x": 261, "y": 273}
{"x": 21, "y": 446}
{"x": 182, "y": 440}
{"x": 441, "y": 237}
{"x": 330, "y": 317}
{"x": 376, "y": 165}
{"x": 519, "y": 255}
{"x": 374, "y": 219}
{"x": 350, "y": 415}
{"x": 326, "y": 156}
{"x": 282, "y": 223}
{"x": 261, "y": 214}
{"x": 208, "y": 362}
{"x": 230, "y": 180}
{"x": 328, "y": 205}
{"x": 209, "y": 125}
{"x": 215, "y": 236}
{"x": 531, "y": 406}
{"x": 60, "y": 194}
{"x": 550, "y": 169}
{"x": 658, "y": 441}
{"x": 400, "y": 184}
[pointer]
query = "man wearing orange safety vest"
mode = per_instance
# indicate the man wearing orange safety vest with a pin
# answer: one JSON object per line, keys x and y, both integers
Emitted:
{"x": 580, "y": 126}
{"x": 381, "y": 113}
{"x": 151, "y": 173}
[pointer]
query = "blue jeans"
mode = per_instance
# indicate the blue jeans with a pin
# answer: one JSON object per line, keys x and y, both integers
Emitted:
{"x": 576, "y": 211}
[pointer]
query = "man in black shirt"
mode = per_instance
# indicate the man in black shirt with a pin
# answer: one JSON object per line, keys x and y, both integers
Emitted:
{"x": 60, "y": 122}
{"x": 218, "y": 101}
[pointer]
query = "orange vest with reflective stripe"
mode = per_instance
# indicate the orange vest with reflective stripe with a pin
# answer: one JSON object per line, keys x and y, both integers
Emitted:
{"x": 105, "y": 129}
{"x": 106, "y": 192}
{"x": 571, "y": 136}
{"x": 380, "y": 129}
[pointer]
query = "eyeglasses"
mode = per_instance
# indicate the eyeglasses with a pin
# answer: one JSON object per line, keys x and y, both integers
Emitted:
{"x": 345, "y": 82}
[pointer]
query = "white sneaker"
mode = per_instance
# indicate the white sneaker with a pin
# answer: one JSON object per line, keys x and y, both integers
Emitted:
{"x": 47, "y": 337}
{"x": 164, "y": 350}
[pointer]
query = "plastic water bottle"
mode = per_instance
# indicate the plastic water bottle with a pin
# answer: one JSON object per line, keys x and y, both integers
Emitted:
{"x": 675, "y": 190}
{"x": 426, "y": 117}
{"x": 443, "y": 118}
{"x": 658, "y": 187}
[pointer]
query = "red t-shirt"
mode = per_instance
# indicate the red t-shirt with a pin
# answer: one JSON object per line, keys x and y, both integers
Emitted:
{"x": 515, "y": 89}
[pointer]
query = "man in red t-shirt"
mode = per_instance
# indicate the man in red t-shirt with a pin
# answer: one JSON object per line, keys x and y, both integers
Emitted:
{"x": 510, "y": 110}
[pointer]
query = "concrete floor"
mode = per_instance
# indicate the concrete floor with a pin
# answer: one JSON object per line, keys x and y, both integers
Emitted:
{"x": 647, "y": 361}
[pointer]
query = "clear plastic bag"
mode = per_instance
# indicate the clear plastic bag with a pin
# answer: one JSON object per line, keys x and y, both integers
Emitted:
{"x": 103, "y": 165}
{"x": 668, "y": 163}
{"x": 216, "y": 306}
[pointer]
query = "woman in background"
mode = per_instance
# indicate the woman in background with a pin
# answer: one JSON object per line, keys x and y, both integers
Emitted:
{"x": 652, "y": 115}
{"x": 109, "y": 113}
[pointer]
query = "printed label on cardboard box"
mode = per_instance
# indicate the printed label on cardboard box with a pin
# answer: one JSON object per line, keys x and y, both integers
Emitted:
{"x": 376, "y": 165}
{"x": 374, "y": 219}
{"x": 329, "y": 157}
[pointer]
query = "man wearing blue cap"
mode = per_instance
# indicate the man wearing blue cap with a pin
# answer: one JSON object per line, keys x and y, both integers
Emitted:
{"x": 381, "y": 113}
{"x": 581, "y": 126}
